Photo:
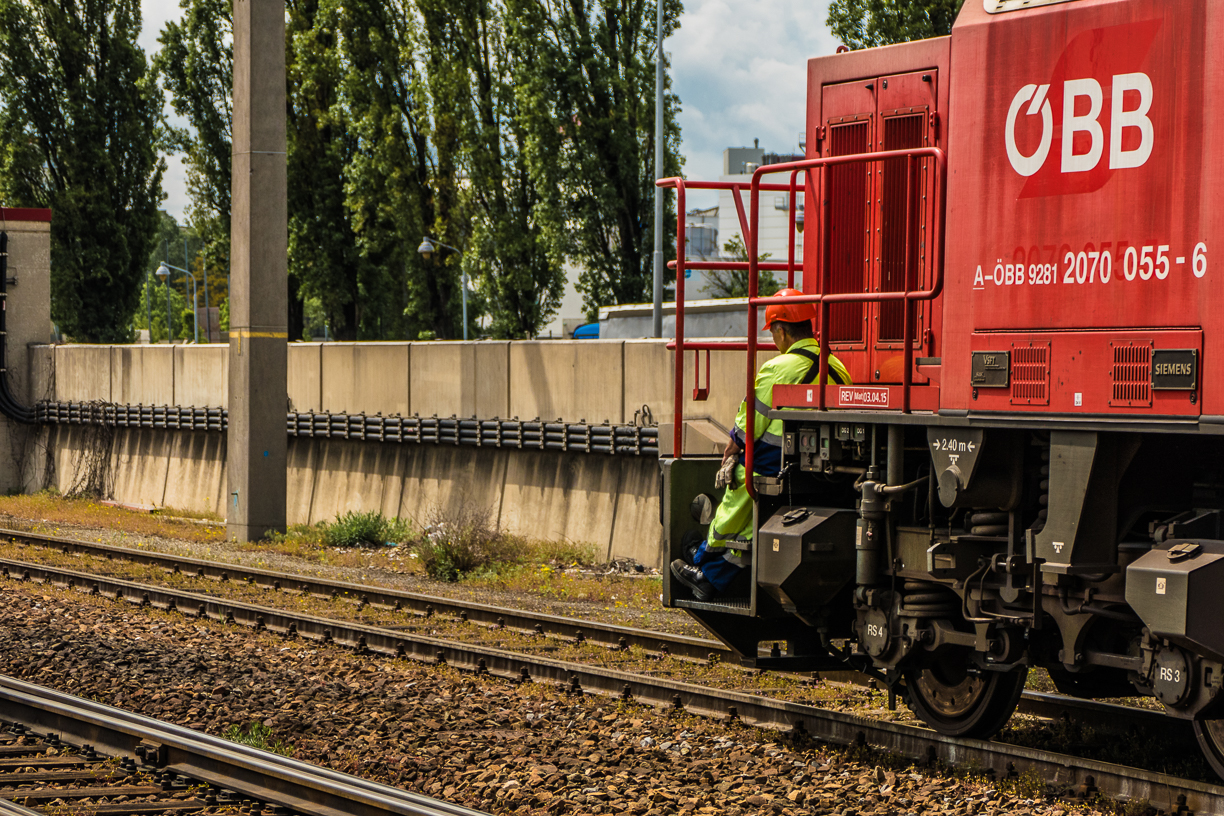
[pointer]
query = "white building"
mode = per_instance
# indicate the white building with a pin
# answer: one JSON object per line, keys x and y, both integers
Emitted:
{"x": 708, "y": 231}
{"x": 739, "y": 163}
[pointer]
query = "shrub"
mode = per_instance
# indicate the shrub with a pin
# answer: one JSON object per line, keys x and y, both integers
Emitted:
{"x": 457, "y": 543}
{"x": 370, "y": 529}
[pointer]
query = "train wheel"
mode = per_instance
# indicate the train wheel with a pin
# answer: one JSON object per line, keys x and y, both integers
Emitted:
{"x": 1210, "y": 735}
{"x": 956, "y": 703}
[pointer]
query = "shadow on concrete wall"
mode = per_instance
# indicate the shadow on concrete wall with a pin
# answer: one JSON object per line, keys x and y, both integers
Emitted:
{"x": 610, "y": 502}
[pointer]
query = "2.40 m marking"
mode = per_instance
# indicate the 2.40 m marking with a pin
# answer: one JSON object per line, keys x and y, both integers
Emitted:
{"x": 1092, "y": 265}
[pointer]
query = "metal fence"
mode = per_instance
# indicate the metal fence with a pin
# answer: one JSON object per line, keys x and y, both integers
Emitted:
{"x": 532, "y": 434}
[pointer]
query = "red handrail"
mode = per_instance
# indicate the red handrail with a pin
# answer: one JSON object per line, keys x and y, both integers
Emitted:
{"x": 722, "y": 345}
{"x": 680, "y": 264}
{"x": 754, "y": 266}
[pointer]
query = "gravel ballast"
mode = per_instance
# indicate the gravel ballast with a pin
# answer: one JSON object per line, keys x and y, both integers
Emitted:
{"x": 484, "y": 743}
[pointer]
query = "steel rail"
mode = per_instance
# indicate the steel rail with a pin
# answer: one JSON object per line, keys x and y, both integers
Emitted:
{"x": 8, "y": 808}
{"x": 301, "y": 787}
{"x": 1072, "y": 773}
{"x": 606, "y": 633}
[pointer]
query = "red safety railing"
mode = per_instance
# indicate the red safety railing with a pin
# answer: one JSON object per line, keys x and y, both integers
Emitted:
{"x": 749, "y": 227}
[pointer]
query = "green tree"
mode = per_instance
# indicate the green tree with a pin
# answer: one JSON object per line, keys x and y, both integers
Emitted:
{"x": 404, "y": 182}
{"x": 587, "y": 100}
{"x": 79, "y": 118}
{"x": 733, "y": 283}
{"x": 153, "y": 305}
{"x": 514, "y": 253}
{"x": 414, "y": 118}
{"x": 324, "y": 259}
{"x": 360, "y": 163}
{"x": 195, "y": 63}
{"x": 868, "y": 23}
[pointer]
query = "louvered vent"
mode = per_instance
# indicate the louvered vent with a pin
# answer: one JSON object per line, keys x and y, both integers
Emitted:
{"x": 1030, "y": 374}
{"x": 896, "y": 234}
{"x": 849, "y": 242}
{"x": 1132, "y": 376}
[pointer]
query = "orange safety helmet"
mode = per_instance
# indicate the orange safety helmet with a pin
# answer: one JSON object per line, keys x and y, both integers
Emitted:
{"x": 789, "y": 312}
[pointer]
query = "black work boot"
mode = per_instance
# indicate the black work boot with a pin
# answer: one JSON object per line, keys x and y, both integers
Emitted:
{"x": 691, "y": 542}
{"x": 693, "y": 578}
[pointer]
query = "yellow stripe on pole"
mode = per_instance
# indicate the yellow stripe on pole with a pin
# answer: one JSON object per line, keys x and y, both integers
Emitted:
{"x": 239, "y": 334}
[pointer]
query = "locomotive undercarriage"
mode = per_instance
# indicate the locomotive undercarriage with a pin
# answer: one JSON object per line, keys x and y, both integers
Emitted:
{"x": 948, "y": 561}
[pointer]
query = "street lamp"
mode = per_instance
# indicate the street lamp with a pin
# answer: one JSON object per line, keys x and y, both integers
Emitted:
{"x": 163, "y": 272}
{"x": 427, "y": 247}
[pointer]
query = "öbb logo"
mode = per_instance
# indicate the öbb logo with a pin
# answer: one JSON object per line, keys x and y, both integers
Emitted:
{"x": 1098, "y": 113}
{"x": 1089, "y": 123}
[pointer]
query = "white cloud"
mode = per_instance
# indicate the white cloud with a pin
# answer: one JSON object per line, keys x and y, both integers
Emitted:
{"x": 738, "y": 66}
{"x": 740, "y": 70}
{"x": 156, "y": 14}
{"x": 174, "y": 183}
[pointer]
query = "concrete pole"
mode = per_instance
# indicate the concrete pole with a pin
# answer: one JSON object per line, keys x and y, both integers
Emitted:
{"x": 259, "y": 297}
{"x": 657, "y": 312}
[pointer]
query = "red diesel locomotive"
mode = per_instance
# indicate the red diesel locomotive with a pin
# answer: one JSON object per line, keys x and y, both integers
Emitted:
{"x": 1010, "y": 246}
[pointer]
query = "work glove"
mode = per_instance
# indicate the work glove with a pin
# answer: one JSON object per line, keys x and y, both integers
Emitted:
{"x": 726, "y": 474}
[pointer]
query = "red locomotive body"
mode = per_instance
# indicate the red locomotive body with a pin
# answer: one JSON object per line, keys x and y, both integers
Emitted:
{"x": 1085, "y": 201}
{"x": 1011, "y": 245}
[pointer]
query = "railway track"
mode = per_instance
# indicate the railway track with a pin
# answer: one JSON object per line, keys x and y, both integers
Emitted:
{"x": 1053, "y": 706}
{"x": 603, "y": 633}
{"x": 60, "y": 753}
{"x": 1071, "y": 775}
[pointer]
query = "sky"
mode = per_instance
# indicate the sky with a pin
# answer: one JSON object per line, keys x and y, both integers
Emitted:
{"x": 738, "y": 67}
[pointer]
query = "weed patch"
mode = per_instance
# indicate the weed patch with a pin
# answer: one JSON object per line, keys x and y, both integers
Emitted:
{"x": 370, "y": 529}
{"x": 48, "y": 509}
{"x": 257, "y": 735}
{"x": 305, "y": 541}
{"x": 463, "y": 544}
{"x": 459, "y": 543}
{"x": 350, "y": 531}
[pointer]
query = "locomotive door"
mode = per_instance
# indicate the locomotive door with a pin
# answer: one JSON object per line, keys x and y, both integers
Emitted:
{"x": 849, "y": 116}
{"x": 870, "y": 231}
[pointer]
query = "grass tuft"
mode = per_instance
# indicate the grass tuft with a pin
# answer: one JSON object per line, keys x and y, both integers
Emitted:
{"x": 257, "y": 735}
{"x": 349, "y": 531}
{"x": 371, "y": 529}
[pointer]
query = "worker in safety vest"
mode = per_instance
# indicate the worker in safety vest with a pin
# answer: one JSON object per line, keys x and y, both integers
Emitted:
{"x": 709, "y": 568}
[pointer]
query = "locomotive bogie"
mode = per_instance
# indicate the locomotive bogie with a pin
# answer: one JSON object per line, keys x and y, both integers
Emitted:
{"x": 877, "y": 559}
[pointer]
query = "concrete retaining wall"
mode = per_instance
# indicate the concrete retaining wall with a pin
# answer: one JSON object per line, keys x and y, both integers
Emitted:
{"x": 608, "y": 502}
{"x": 594, "y": 380}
